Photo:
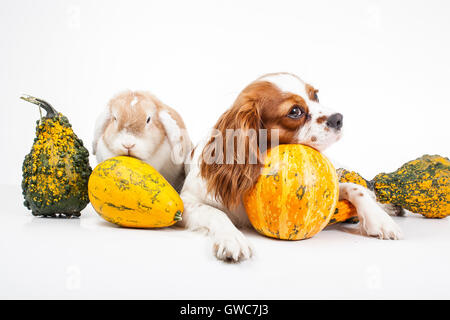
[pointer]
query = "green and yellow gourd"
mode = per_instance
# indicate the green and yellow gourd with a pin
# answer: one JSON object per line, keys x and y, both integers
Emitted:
{"x": 56, "y": 171}
{"x": 421, "y": 186}
{"x": 131, "y": 193}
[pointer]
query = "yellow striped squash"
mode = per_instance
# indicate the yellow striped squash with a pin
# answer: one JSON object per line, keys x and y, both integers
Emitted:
{"x": 129, "y": 192}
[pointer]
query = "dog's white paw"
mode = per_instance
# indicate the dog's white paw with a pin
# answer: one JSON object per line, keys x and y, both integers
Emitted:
{"x": 379, "y": 224}
{"x": 232, "y": 246}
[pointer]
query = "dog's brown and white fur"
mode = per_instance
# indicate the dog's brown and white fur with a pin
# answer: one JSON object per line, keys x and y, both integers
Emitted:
{"x": 212, "y": 193}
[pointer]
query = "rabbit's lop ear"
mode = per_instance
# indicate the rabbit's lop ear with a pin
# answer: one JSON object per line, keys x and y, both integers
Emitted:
{"x": 100, "y": 126}
{"x": 176, "y": 133}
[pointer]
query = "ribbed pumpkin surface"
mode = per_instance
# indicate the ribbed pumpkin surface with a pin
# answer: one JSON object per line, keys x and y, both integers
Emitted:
{"x": 131, "y": 193}
{"x": 296, "y": 194}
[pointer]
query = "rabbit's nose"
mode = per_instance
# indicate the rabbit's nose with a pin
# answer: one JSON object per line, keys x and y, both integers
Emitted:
{"x": 128, "y": 146}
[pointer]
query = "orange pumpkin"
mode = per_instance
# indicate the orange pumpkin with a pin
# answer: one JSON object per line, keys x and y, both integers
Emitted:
{"x": 295, "y": 195}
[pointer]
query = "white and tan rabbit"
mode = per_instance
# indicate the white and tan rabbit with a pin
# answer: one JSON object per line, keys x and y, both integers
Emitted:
{"x": 137, "y": 124}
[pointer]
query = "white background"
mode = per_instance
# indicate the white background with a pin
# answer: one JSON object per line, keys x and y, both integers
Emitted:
{"x": 384, "y": 64}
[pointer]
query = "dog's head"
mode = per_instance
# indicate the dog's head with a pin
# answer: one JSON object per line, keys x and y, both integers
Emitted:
{"x": 282, "y": 104}
{"x": 286, "y": 103}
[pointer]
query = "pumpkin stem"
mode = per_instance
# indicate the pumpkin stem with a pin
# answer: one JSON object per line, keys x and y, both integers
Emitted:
{"x": 41, "y": 103}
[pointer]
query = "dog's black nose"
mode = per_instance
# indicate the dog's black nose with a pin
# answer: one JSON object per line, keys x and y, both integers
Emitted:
{"x": 335, "y": 121}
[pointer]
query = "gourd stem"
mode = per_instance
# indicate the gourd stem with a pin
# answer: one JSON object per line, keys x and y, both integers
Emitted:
{"x": 371, "y": 184}
{"x": 51, "y": 112}
{"x": 178, "y": 216}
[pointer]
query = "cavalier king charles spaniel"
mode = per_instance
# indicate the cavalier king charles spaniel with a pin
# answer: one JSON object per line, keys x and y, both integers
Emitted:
{"x": 278, "y": 107}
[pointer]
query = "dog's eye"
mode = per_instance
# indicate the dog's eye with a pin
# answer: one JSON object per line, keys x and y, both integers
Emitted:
{"x": 148, "y": 119}
{"x": 316, "y": 97}
{"x": 296, "y": 112}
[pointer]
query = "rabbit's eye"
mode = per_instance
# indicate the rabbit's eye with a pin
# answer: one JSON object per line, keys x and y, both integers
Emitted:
{"x": 148, "y": 119}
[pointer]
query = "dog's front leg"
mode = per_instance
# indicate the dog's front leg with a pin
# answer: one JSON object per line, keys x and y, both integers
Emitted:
{"x": 229, "y": 244}
{"x": 374, "y": 221}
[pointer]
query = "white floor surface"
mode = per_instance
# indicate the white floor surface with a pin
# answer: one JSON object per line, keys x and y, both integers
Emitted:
{"x": 91, "y": 258}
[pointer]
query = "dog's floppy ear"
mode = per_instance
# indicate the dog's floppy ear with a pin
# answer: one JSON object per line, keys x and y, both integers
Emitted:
{"x": 100, "y": 125}
{"x": 236, "y": 169}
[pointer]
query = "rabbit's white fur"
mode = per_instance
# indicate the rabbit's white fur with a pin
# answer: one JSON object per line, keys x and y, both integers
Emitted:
{"x": 137, "y": 124}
